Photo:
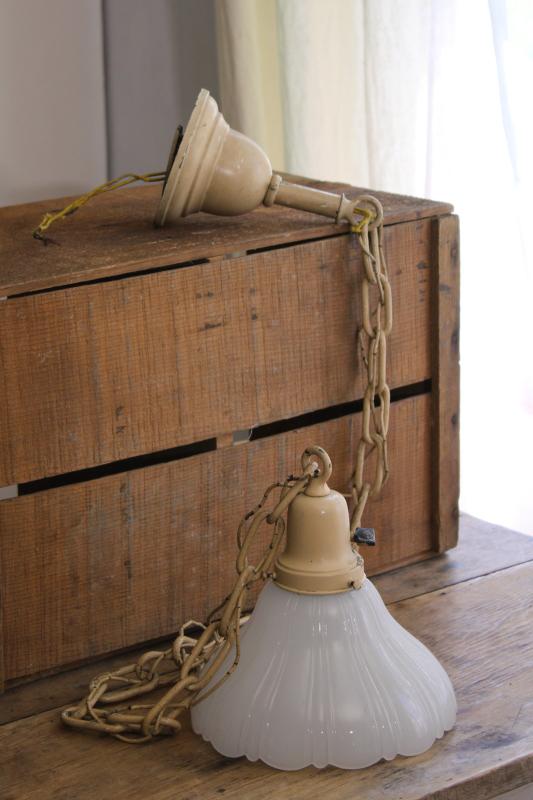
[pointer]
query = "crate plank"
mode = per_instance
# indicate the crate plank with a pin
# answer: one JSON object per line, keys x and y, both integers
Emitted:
{"x": 446, "y": 381}
{"x": 115, "y": 235}
{"x": 101, "y": 565}
{"x": 111, "y": 370}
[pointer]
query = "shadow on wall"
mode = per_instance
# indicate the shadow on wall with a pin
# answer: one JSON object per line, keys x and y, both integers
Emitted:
{"x": 157, "y": 57}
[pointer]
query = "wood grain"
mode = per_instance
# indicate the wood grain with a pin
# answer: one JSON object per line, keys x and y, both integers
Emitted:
{"x": 102, "y": 565}
{"x": 122, "y": 368}
{"x": 2, "y": 640}
{"x": 446, "y": 381}
{"x": 483, "y": 549}
{"x": 115, "y": 235}
{"x": 480, "y": 630}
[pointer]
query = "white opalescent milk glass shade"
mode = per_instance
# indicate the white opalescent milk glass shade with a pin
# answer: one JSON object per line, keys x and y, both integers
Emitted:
{"x": 327, "y": 679}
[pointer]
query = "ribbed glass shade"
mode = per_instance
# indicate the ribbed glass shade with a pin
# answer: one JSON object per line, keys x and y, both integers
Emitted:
{"x": 327, "y": 679}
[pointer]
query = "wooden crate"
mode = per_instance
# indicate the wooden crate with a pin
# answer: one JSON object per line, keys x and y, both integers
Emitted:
{"x": 130, "y": 358}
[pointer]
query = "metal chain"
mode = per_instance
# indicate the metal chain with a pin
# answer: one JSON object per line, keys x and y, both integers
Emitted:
{"x": 197, "y": 653}
{"x": 372, "y": 339}
{"x": 193, "y": 659}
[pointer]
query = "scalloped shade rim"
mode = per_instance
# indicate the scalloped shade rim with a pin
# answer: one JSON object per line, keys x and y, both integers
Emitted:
{"x": 327, "y": 680}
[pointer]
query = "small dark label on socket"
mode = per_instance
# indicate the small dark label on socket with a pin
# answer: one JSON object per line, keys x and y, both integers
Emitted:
{"x": 365, "y": 536}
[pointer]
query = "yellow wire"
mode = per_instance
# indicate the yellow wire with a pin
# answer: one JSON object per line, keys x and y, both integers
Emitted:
{"x": 367, "y": 217}
{"x": 117, "y": 183}
{"x": 152, "y": 177}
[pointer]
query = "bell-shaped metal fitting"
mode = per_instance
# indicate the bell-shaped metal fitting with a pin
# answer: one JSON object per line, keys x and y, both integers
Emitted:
{"x": 318, "y": 557}
{"x": 325, "y": 677}
{"x": 213, "y": 168}
{"x": 216, "y": 169}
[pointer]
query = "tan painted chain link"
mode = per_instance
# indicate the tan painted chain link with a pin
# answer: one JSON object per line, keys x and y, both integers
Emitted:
{"x": 199, "y": 650}
{"x": 372, "y": 338}
{"x": 192, "y": 660}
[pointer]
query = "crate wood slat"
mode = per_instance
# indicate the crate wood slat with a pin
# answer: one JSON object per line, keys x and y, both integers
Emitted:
{"x": 446, "y": 388}
{"x": 480, "y": 630}
{"x": 102, "y": 372}
{"x": 115, "y": 235}
{"x": 101, "y": 565}
{"x": 483, "y": 549}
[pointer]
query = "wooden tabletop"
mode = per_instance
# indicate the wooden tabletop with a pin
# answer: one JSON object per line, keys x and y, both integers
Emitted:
{"x": 471, "y": 606}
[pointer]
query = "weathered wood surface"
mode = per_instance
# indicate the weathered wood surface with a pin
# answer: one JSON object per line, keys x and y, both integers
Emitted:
{"x": 481, "y": 631}
{"x": 118, "y": 369}
{"x": 101, "y": 565}
{"x": 446, "y": 381}
{"x": 115, "y": 235}
{"x": 483, "y": 549}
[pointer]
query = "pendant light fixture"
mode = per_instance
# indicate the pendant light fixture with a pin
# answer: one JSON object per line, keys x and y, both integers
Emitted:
{"x": 325, "y": 673}
{"x": 214, "y": 169}
{"x": 321, "y": 673}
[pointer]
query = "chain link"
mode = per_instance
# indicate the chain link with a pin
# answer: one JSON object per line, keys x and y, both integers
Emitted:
{"x": 372, "y": 340}
{"x": 199, "y": 649}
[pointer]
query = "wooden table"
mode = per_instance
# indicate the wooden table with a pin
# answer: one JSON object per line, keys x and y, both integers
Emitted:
{"x": 472, "y": 607}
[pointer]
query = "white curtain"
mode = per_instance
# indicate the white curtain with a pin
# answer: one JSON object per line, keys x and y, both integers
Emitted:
{"x": 424, "y": 97}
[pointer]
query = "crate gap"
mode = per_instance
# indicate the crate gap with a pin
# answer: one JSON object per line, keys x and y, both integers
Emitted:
{"x": 239, "y": 437}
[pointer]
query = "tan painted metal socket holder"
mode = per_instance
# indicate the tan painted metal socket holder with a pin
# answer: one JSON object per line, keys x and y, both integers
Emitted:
{"x": 318, "y": 556}
{"x": 220, "y": 171}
